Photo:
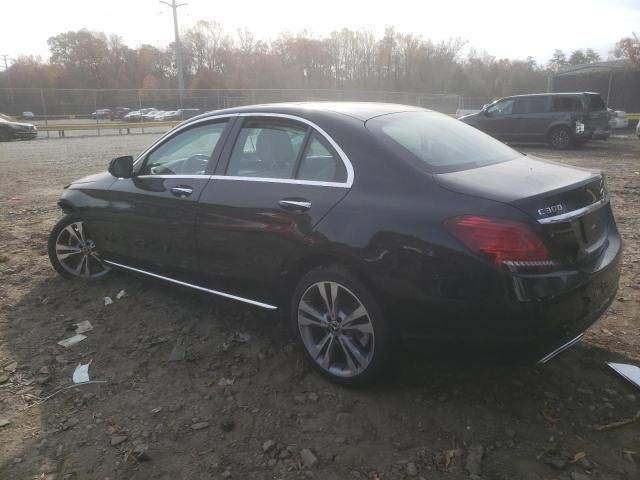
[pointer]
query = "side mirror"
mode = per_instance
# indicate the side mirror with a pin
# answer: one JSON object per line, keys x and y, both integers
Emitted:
{"x": 121, "y": 167}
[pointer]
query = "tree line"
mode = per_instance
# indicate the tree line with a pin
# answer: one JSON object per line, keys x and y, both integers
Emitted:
{"x": 344, "y": 59}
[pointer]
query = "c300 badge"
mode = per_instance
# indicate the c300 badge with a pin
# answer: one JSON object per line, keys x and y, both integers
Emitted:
{"x": 550, "y": 209}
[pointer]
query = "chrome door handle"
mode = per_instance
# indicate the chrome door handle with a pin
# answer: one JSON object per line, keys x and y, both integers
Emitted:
{"x": 182, "y": 191}
{"x": 295, "y": 204}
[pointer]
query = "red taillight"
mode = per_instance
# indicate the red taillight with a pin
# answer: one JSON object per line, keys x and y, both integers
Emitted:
{"x": 505, "y": 243}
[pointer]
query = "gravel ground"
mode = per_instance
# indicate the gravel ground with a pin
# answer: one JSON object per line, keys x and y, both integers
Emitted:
{"x": 200, "y": 388}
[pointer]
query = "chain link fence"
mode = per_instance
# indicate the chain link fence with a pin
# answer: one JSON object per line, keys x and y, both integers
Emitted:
{"x": 52, "y": 107}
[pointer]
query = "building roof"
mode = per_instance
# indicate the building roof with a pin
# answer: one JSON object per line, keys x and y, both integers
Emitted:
{"x": 596, "y": 67}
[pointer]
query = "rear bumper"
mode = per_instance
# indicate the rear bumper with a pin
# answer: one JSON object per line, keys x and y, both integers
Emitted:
{"x": 532, "y": 317}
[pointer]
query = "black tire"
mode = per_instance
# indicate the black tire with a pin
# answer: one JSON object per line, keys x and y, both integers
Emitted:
{"x": 560, "y": 138}
{"x": 93, "y": 268}
{"x": 348, "y": 338}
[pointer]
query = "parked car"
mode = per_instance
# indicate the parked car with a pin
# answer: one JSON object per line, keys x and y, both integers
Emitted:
{"x": 561, "y": 119}
{"x": 151, "y": 116}
{"x": 169, "y": 115}
{"x": 102, "y": 113}
{"x": 618, "y": 119}
{"x": 136, "y": 115}
{"x": 638, "y": 129}
{"x": 365, "y": 223}
{"x": 28, "y": 115}
{"x": 181, "y": 114}
{"x": 11, "y": 129}
{"x": 119, "y": 113}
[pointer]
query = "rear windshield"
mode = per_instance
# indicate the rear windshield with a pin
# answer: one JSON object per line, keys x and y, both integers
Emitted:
{"x": 595, "y": 101}
{"x": 438, "y": 143}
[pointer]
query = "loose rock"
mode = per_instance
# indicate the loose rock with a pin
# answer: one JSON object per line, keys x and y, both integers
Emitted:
{"x": 118, "y": 439}
{"x": 268, "y": 446}
{"x": 200, "y": 426}
{"x": 308, "y": 458}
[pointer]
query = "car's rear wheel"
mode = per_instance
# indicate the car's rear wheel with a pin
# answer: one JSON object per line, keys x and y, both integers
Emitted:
{"x": 72, "y": 251}
{"x": 340, "y": 327}
{"x": 560, "y": 138}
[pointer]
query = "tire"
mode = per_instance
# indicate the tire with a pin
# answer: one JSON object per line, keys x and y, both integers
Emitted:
{"x": 4, "y": 136}
{"x": 72, "y": 253}
{"x": 560, "y": 138}
{"x": 348, "y": 351}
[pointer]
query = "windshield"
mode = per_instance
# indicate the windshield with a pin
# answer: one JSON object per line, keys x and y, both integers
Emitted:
{"x": 439, "y": 143}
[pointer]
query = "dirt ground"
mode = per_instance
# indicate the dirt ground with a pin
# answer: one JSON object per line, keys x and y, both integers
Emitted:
{"x": 196, "y": 387}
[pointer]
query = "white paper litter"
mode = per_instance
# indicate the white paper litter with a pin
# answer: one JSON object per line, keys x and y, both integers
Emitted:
{"x": 81, "y": 373}
{"x": 120, "y": 294}
{"x": 84, "y": 326}
{"x": 629, "y": 372}
{"x": 107, "y": 301}
{"x": 67, "y": 342}
{"x": 224, "y": 382}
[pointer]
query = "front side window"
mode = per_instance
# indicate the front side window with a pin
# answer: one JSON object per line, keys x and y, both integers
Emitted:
{"x": 187, "y": 153}
{"x": 595, "y": 102}
{"x": 503, "y": 107}
{"x": 266, "y": 149}
{"x": 438, "y": 143}
{"x": 533, "y": 105}
{"x": 320, "y": 163}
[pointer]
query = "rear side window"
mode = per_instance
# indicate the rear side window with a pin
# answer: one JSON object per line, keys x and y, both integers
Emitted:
{"x": 595, "y": 101}
{"x": 438, "y": 143}
{"x": 532, "y": 105}
{"x": 320, "y": 163}
{"x": 566, "y": 104}
{"x": 266, "y": 149}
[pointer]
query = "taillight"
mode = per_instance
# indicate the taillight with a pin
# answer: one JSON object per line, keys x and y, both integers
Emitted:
{"x": 506, "y": 244}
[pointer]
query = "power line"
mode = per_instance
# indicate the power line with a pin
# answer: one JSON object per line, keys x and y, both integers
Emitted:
{"x": 179, "y": 65}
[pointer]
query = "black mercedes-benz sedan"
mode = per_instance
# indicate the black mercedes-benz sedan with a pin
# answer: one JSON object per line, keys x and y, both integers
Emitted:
{"x": 367, "y": 224}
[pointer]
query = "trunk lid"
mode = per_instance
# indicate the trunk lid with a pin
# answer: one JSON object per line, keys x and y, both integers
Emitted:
{"x": 564, "y": 200}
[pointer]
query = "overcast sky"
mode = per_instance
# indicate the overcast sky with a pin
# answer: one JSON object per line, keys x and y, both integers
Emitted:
{"x": 503, "y": 28}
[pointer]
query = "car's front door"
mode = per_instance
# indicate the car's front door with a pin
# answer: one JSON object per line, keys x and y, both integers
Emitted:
{"x": 497, "y": 119}
{"x": 274, "y": 183}
{"x": 531, "y": 118}
{"x": 152, "y": 215}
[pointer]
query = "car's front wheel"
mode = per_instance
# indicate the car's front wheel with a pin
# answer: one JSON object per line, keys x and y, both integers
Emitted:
{"x": 340, "y": 327}
{"x": 72, "y": 251}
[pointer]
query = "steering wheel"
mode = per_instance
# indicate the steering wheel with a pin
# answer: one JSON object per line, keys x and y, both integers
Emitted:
{"x": 195, "y": 164}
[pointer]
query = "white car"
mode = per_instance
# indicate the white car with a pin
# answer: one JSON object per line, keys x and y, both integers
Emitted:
{"x": 638, "y": 130}
{"x": 618, "y": 119}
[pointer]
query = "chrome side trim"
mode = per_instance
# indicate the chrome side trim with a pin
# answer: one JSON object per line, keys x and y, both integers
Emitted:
{"x": 345, "y": 160}
{"x": 196, "y": 287}
{"x": 560, "y": 349}
{"x": 291, "y": 181}
{"x": 563, "y": 217}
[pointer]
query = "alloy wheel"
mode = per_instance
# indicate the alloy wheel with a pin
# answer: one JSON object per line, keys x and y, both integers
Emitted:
{"x": 560, "y": 138}
{"x": 77, "y": 254}
{"x": 336, "y": 329}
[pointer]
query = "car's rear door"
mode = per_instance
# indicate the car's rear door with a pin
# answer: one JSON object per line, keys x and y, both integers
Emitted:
{"x": 152, "y": 215}
{"x": 276, "y": 180}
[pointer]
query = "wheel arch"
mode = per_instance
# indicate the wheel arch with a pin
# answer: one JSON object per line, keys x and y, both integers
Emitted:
{"x": 298, "y": 267}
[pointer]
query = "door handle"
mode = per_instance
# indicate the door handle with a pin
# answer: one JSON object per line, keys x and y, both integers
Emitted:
{"x": 299, "y": 205}
{"x": 183, "y": 191}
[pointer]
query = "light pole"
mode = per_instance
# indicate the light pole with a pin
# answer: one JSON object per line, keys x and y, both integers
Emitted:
{"x": 175, "y": 7}
{"x": 6, "y": 70}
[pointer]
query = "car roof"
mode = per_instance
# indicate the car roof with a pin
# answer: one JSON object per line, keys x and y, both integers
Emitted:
{"x": 362, "y": 111}
{"x": 552, "y": 94}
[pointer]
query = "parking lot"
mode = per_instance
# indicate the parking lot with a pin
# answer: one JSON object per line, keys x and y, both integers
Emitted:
{"x": 197, "y": 387}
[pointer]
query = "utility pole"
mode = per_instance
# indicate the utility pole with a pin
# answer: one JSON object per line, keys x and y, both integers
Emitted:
{"x": 6, "y": 70}
{"x": 175, "y": 7}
